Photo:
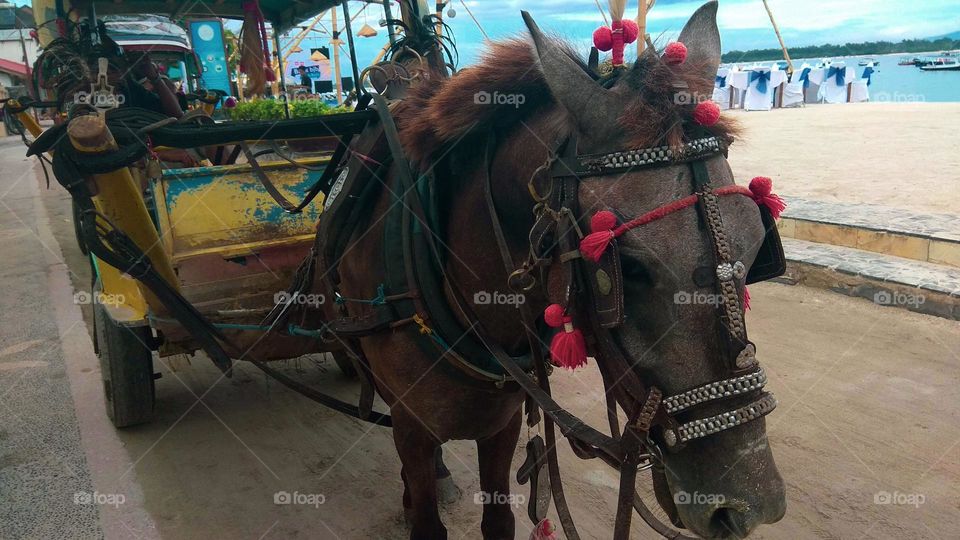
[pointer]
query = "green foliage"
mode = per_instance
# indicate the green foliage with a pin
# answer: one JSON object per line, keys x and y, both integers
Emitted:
{"x": 272, "y": 109}
{"x": 850, "y": 49}
{"x": 258, "y": 109}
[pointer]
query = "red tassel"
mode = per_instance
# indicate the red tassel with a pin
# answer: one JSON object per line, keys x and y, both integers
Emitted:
{"x": 594, "y": 244}
{"x": 568, "y": 349}
{"x": 746, "y": 298}
{"x": 762, "y": 188}
{"x": 543, "y": 531}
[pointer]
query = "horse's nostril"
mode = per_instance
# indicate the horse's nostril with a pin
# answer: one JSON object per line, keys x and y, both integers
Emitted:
{"x": 727, "y": 523}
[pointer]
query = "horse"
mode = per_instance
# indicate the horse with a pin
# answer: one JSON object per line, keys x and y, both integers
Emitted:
{"x": 465, "y": 133}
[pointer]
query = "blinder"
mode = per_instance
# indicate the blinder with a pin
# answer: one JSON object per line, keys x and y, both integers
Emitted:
{"x": 770, "y": 261}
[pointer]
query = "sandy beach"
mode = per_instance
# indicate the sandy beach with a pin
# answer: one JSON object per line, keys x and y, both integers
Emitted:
{"x": 897, "y": 154}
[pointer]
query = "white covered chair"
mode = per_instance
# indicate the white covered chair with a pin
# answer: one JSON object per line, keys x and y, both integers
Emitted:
{"x": 793, "y": 94}
{"x": 760, "y": 84}
{"x": 836, "y": 79}
{"x": 859, "y": 92}
{"x": 721, "y": 89}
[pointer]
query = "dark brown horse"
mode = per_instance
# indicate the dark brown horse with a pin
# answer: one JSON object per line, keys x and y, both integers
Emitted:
{"x": 444, "y": 127}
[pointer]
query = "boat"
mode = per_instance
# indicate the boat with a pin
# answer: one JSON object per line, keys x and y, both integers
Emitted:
{"x": 866, "y": 62}
{"x": 942, "y": 64}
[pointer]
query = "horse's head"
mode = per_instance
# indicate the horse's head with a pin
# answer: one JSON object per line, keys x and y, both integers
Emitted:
{"x": 676, "y": 333}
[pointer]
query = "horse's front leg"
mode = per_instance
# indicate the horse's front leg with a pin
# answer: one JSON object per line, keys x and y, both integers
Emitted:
{"x": 417, "y": 447}
{"x": 495, "y": 454}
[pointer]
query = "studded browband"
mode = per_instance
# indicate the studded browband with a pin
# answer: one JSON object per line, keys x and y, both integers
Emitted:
{"x": 638, "y": 158}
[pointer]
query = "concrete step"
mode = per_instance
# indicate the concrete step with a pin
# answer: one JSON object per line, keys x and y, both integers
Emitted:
{"x": 924, "y": 287}
{"x": 931, "y": 238}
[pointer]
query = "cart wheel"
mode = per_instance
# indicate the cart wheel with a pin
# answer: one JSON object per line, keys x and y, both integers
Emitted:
{"x": 126, "y": 365}
{"x": 344, "y": 363}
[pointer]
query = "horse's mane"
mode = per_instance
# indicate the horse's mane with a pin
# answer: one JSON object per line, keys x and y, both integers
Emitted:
{"x": 437, "y": 115}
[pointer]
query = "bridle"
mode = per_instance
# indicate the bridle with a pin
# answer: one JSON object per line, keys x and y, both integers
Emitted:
{"x": 590, "y": 288}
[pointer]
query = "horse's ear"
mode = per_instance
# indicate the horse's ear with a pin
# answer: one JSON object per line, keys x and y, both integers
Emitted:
{"x": 588, "y": 103}
{"x": 702, "y": 39}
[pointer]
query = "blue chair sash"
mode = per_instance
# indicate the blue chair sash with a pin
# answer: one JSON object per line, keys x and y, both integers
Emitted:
{"x": 721, "y": 82}
{"x": 839, "y": 73}
{"x": 762, "y": 78}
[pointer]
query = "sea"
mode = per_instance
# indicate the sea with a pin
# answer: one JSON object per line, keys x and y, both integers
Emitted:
{"x": 900, "y": 84}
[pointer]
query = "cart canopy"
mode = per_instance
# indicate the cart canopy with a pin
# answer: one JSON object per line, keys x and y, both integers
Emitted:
{"x": 282, "y": 14}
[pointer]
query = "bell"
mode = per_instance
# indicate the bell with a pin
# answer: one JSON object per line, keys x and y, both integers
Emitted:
{"x": 367, "y": 31}
{"x": 318, "y": 56}
{"x": 451, "y": 13}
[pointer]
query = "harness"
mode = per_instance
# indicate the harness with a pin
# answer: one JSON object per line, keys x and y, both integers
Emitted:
{"x": 591, "y": 289}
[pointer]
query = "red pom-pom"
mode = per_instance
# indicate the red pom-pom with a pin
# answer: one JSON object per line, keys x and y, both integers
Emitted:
{"x": 230, "y": 102}
{"x": 746, "y": 298}
{"x": 603, "y": 220}
{"x": 675, "y": 53}
{"x": 762, "y": 189}
{"x": 603, "y": 38}
{"x": 761, "y": 186}
{"x": 706, "y": 113}
{"x": 630, "y": 30}
{"x": 554, "y": 316}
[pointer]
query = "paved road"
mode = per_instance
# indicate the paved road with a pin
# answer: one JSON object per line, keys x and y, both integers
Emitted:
{"x": 870, "y": 404}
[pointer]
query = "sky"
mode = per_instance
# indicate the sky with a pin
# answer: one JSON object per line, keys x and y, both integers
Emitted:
{"x": 743, "y": 23}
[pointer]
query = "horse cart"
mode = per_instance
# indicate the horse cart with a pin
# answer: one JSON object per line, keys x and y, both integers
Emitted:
{"x": 442, "y": 187}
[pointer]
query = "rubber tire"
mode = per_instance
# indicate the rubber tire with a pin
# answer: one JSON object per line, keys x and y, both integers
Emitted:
{"x": 344, "y": 363}
{"x": 126, "y": 366}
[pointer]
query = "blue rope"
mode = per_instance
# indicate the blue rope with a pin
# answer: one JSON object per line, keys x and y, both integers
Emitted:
{"x": 378, "y": 300}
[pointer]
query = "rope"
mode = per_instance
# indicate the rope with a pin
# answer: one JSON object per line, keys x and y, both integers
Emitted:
{"x": 475, "y": 21}
{"x": 378, "y": 300}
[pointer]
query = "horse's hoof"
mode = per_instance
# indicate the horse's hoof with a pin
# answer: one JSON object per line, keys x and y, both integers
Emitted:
{"x": 447, "y": 490}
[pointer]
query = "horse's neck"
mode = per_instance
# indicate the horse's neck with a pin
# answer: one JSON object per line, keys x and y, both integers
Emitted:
{"x": 476, "y": 264}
